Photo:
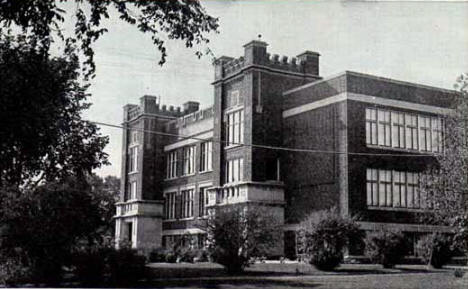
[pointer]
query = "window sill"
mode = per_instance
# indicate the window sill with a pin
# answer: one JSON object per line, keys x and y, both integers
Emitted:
{"x": 397, "y": 209}
{"x": 231, "y": 146}
{"x": 170, "y": 179}
{"x": 188, "y": 175}
{"x": 132, "y": 173}
{"x": 401, "y": 150}
{"x": 205, "y": 172}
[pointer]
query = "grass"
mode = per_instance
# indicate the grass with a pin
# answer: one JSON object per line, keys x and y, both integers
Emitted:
{"x": 295, "y": 275}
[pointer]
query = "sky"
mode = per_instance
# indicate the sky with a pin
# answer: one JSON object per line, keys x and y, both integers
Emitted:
{"x": 422, "y": 42}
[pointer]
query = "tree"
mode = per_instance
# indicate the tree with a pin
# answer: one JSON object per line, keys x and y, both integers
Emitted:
{"x": 235, "y": 234}
{"x": 42, "y": 227}
{"x": 43, "y": 137}
{"x": 47, "y": 153}
{"x": 324, "y": 235}
{"x": 184, "y": 20}
{"x": 446, "y": 186}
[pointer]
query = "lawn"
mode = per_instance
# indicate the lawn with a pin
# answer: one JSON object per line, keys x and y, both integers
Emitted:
{"x": 295, "y": 275}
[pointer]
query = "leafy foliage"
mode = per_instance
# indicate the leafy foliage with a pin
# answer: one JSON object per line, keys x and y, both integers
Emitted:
{"x": 105, "y": 265}
{"x": 323, "y": 236}
{"x": 235, "y": 234}
{"x": 446, "y": 186}
{"x": 386, "y": 247}
{"x": 184, "y": 20}
{"x": 434, "y": 249}
{"x": 43, "y": 135}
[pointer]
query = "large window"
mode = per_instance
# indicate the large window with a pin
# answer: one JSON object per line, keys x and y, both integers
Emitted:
{"x": 206, "y": 156}
{"x": 386, "y": 188}
{"x": 411, "y": 129}
{"x": 437, "y": 142}
{"x": 425, "y": 133}
{"x": 234, "y": 127}
{"x": 187, "y": 203}
{"x": 383, "y": 132}
{"x": 398, "y": 129}
{"x": 171, "y": 168}
{"x": 189, "y": 160}
{"x": 133, "y": 161}
{"x": 234, "y": 170}
{"x": 202, "y": 202}
{"x": 403, "y": 130}
{"x": 371, "y": 126}
{"x": 170, "y": 205}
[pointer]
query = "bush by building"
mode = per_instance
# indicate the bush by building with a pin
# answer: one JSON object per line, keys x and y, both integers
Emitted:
{"x": 435, "y": 249}
{"x": 236, "y": 234}
{"x": 387, "y": 248}
{"x": 324, "y": 235}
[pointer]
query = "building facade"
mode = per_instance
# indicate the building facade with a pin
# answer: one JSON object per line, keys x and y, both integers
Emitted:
{"x": 281, "y": 137}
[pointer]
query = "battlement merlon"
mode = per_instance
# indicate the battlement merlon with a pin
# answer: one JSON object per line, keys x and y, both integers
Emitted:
{"x": 150, "y": 106}
{"x": 255, "y": 53}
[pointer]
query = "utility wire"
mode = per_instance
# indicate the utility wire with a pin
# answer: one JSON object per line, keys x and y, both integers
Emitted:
{"x": 278, "y": 148}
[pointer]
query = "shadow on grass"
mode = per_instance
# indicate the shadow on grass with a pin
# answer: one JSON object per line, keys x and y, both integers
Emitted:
{"x": 241, "y": 283}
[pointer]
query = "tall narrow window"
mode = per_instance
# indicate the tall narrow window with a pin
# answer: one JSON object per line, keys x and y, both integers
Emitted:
{"x": 399, "y": 189}
{"x": 206, "y": 156}
{"x": 170, "y": 205}
{"x": 372, "y": 192}
{"x": 398, "y": 129}
{"x": 171, "y": 170}
{"x": 424, "y": 133}
{"x": 187, "y": 203}
{"x": 384, "y": 135}
{"x": 234, "y": 127}
{"x": 371, "y": 126}
{"x": 413, "y": 192}
{"x": 385, "y": 188}
{"x": 133, "y": 161}
{"x": 189, "y": 160}
{"x": 133, "y": 190}
{"x": 234, "y": 170}
{"x": 411, "y": 125}
{"x": 202, "y": 202}
{"x": 437, "y": 141}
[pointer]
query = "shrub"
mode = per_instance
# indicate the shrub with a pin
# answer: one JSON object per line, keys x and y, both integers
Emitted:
{"x": 90, "y": 266}
{"x": 12, "y": 271}
{"x": 238, "y": 233}
{"x": 159, "y": 255}
{"x": 126, "y": 267}
{"x": 434, "y": 249}
{"x": 323, "y": 236}
{"x": 186, "y": 254}
{"x": 386, "y": 247}
{"x": 202, "y": 255}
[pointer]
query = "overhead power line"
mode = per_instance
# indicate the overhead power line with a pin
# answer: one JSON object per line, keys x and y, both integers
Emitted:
{"x": 278, "y": 148}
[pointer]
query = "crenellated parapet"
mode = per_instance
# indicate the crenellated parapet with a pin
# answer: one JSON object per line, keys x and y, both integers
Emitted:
{"x": 255, "y": 53}
{"x": 191, "y": 118}
{"x": 150, "y": 106}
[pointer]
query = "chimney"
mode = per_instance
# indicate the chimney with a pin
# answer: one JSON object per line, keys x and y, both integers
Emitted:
{"x": 310, "y": 62}
{"x": 191, "y": 106}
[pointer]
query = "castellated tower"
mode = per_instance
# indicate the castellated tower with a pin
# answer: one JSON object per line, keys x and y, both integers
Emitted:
{"x": 140, "y": 210}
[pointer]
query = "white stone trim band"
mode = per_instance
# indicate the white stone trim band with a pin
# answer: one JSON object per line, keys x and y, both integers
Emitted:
{"x": 206, "y": 135}
{"x": 368, "y": 99}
